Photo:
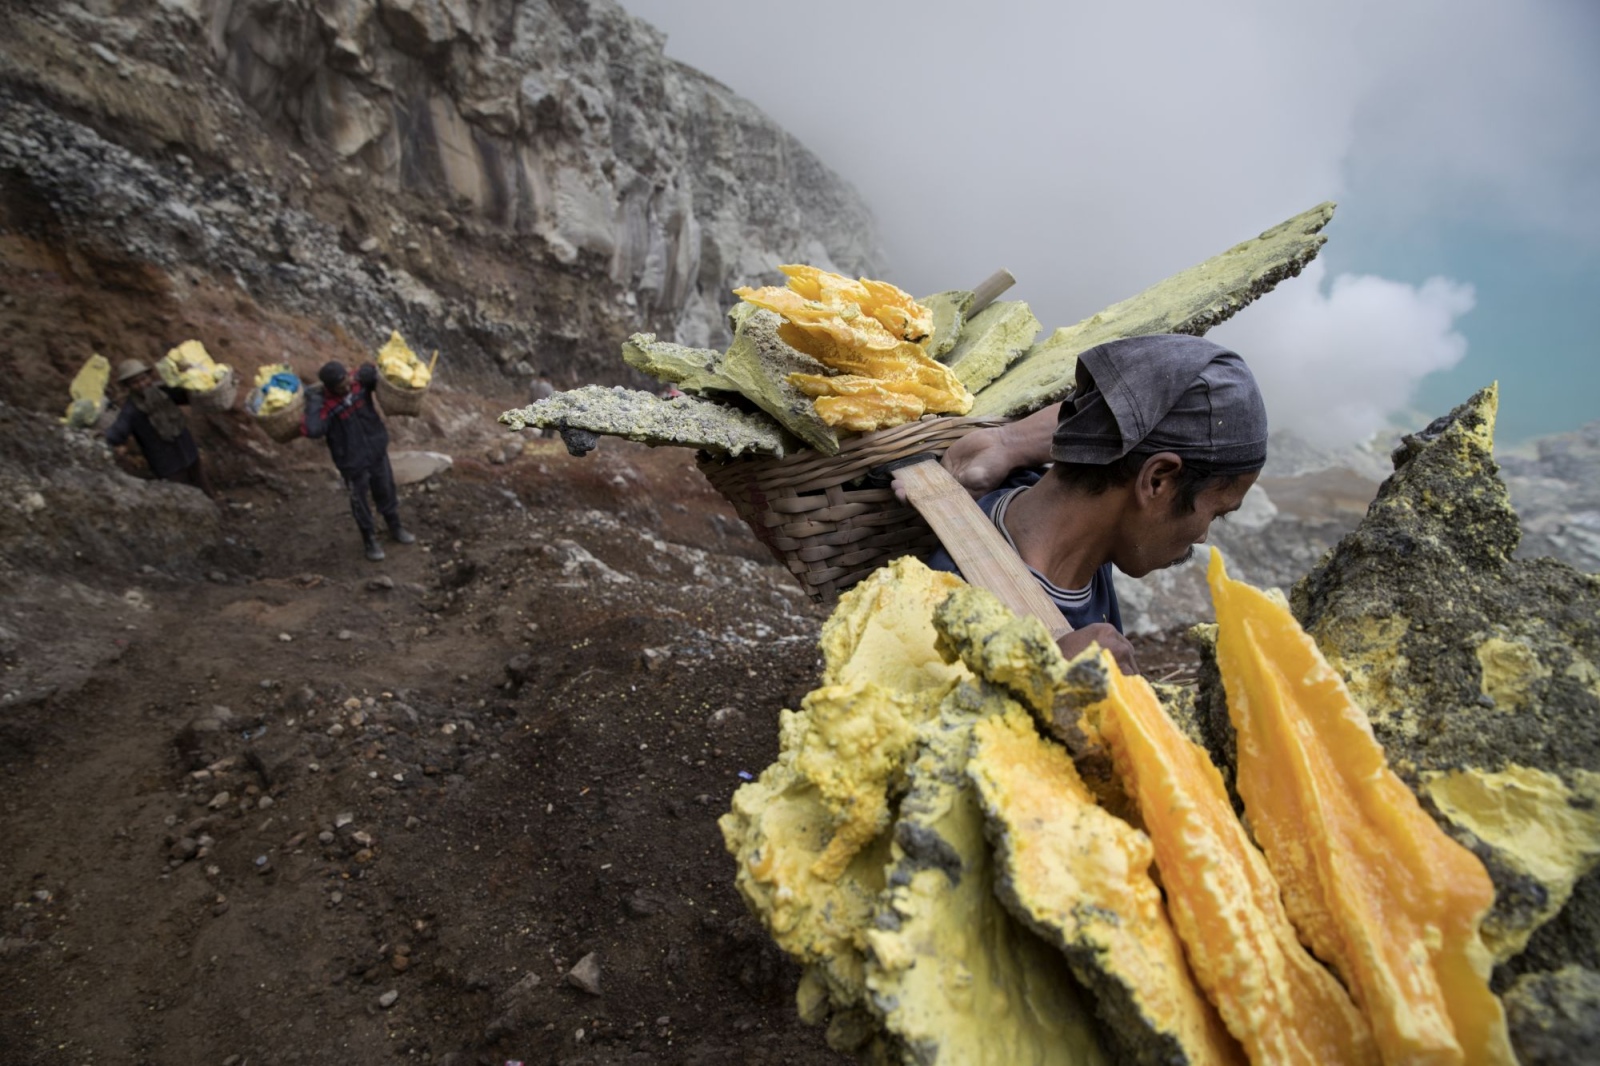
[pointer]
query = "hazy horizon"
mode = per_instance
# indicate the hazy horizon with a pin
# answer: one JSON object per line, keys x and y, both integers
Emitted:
{"x": 1460, "y": 140}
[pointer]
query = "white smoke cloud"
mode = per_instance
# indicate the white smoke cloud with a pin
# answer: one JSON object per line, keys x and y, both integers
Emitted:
{"x": 1095, "y": 149}
{"x": 1337, "y": 361}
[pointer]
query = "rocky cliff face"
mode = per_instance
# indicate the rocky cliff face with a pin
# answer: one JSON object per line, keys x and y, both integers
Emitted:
{"x": 515, "y": 182}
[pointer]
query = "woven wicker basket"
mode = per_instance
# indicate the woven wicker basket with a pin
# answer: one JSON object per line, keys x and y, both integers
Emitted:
{"x": 820, "y": 515}
{"x": 284, "y": 425}
{"x": 218, "y": 398}
{"x": 399, "y": 400}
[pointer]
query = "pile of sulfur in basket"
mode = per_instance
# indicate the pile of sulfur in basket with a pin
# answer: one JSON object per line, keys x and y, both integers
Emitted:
{"x": 825, "y": 357}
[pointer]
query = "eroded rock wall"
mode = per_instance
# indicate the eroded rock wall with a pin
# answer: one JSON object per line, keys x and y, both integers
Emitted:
{"x": 516, "y": 183}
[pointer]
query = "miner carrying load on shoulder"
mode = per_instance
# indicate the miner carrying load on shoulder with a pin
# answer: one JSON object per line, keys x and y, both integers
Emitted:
{"x": 1161, "y": 436}
{"x": 342, "y": 411}
{"x": 150, "y": 416}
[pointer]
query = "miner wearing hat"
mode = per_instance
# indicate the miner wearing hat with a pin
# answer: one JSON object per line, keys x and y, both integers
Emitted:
{"x": 1161, "y": 436}
{"x": 150, "y": 416}
{"x": 342, "y": 410}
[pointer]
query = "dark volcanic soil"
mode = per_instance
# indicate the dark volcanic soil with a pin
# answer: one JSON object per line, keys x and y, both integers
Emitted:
{"x": 317, "y": 810}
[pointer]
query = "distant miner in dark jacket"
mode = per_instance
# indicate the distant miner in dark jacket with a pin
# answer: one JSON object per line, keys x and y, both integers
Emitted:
{"x": 150, "y": 416}
{"x": 342, "y": 411}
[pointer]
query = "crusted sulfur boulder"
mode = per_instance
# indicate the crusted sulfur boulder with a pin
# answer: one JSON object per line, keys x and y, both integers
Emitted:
{"x": 641, "y": 416}
{"x": 1189, "y": 302}
{"x": 1479, "y": 671}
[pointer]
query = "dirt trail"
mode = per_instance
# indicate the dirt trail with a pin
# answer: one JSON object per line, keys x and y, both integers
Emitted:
{"x": 223, "y": 846}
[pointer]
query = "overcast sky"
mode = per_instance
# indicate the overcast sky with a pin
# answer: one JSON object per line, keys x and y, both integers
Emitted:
{"x": 1094, "y": 150}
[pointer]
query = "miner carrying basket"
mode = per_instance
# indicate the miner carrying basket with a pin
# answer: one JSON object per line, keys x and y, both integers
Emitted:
{"x": 1161, "y": 436}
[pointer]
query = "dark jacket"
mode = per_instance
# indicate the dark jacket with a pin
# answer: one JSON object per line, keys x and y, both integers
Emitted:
{"x": 166, "y": 457}
{"x": 356, "y": 435}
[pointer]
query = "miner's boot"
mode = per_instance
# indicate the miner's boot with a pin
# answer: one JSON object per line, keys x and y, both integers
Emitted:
{"x": 374, "y": 549}
{"x": 401, "y": 535}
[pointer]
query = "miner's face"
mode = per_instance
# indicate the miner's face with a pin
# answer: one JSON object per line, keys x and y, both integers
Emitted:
{"x": 1163, "y": 532}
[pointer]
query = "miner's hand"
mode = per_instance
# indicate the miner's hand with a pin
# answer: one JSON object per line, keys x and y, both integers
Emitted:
{"x": 1105, "y": 635}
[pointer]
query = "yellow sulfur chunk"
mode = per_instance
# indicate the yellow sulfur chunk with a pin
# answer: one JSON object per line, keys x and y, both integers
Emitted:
{"x": 1371, "y": 881}
{"x": 867, "y": 330}
{"x": 883, "y": 677}
{"x": 1276, "y": 1000}
{"x": 809, "y": 835}
{"x": 272, "y": 399}
{"x": 190, "y": 366}
{"x": 954, "y": 977}
{"x": 88, "y": 390}
{"x": 401, "y": 366}
{"x": 1081, "y": 877}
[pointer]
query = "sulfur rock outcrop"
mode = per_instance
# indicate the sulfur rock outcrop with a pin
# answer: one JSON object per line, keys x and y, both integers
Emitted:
{"x": 1481, "y": 673}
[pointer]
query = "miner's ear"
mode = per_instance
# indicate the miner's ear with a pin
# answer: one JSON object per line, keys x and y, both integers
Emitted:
{"x": 1158, "y": 476}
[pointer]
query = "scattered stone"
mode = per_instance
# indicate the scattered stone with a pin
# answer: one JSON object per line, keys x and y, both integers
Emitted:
{"x": 286, "y": 638}
{"x": 586, "y": 974}
{"x": 342, "y": 819}
{"x": 345, "y": 634}
{"x": 655, "y": 658}
{"x": 381, "y": 583}
{"x": 217, "y": 577}
{"x": 388, "y": 998}
{"x": 220, "y": 800}
{"x": 723, "y": 717}
{"x": 184, "y": 848}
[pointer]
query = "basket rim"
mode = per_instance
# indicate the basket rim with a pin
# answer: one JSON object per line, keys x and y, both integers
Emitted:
{"x": 810, "y": 470}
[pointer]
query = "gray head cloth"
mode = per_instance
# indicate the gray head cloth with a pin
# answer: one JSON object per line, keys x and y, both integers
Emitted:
{"x": 1168, "y": 392}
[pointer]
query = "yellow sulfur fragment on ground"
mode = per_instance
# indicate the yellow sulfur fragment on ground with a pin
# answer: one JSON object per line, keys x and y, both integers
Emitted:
{"x": 88, "y": 391}
{"x": 398, "y": 363}
{"x": 190, "y": 366}
{"x": 871, "y": 333}
{"x": 1370, "y": 880}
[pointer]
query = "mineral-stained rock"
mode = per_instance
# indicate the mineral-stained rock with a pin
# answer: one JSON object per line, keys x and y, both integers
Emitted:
{"x": 995, "y": 338}
{"x": 949, "y": 317}
{"x": 955, "y": 977}
{"x": 694, "y": 370}
{"x": 1472, "y": 663}
{"x": 759, "y": 362}
{"x": 1080, "y": 877}
{"x": 1190, "y": 302}
{"x": 682, "y": 420}
{"x": 1555, "y": 1017}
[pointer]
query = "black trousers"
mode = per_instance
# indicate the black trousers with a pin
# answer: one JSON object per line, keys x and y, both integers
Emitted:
{"x": 377, "y": 481}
